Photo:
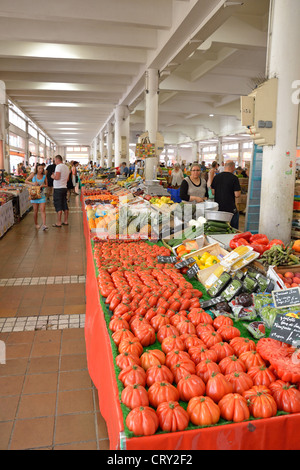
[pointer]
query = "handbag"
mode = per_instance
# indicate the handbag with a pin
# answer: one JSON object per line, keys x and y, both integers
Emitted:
{"x": 34, "y": 192}
{"x": 145, "y": 149}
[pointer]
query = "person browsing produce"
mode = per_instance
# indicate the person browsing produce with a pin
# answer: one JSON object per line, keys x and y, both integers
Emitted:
{"x": 60, "y": 177}
{"x": 193, "y": 188}
{"x": 226, "y": 188}
{"x": 211, "y": 174}
{"x": 176, "y": 175}
{"x": 38, "y": 178}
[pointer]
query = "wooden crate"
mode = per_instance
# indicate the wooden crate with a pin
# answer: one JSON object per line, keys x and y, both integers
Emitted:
{"x": 204, "y": 274}
{"x": 198, "y": 240}
{"x": 214, "y": 249}
{"x": 290, "y": 269}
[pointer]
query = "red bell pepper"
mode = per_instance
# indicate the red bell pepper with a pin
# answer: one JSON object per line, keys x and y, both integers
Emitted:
{"x": 260, "y": 239}
{"x": 245, "y": 236}
{"x": 275, "y": 241}
{"x": 242, "y": 242}
{"x": 259, "y": 248}
{"x": 233, "y": 244}
{"x": 239, "y": 242}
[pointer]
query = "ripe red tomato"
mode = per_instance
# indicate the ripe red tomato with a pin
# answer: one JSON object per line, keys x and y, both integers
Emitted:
{"x": 172, "y": 417}
{"x": 160, "y": 392}
{"x": 142, "y": 421}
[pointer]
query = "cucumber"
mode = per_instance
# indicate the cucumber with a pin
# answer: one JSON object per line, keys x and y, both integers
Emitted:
{"x": 214, "y": 223}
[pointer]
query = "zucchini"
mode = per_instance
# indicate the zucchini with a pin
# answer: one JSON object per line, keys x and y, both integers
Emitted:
{"x": 214, "y": 223}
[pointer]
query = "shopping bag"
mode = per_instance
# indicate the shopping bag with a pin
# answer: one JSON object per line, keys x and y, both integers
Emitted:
{"x": 34, "y": 192}
{"x": 145, "y": 149}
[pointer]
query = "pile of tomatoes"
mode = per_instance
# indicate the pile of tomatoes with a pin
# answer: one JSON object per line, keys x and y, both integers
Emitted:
{"x": 202, "y": 362}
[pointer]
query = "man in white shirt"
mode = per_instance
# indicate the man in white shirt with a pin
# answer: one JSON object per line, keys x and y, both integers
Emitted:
{"x": 60, "y": 179}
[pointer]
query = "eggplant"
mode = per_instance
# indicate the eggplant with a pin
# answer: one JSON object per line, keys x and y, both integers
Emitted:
{"x": 244, "y": 299}
{"x": 223, "y": 306}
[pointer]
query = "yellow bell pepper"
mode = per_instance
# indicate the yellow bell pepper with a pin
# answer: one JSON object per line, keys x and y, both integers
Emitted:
{"x": 211, "y": 260}
{"x": 204, "y": 257}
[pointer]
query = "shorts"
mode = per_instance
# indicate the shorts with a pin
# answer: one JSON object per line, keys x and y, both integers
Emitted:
{"x": 60, "y": 199}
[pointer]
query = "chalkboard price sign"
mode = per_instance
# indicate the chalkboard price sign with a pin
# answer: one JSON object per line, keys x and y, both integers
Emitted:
{"x": 185, "y": 262}
{"x": 166, "y": 259}
{"x": 286, "y": 329}
{"x": 286, "y": 297}
{"x": 192, "y": 271}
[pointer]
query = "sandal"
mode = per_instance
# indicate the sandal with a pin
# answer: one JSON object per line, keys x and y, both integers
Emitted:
{"x": 63, "y": 223}
{"x": 44, "y": 227}
{"x": 55, "y": 225}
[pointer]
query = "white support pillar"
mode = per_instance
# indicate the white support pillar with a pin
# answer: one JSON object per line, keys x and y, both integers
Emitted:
{"x": 194, "y": 152}
{"x": 279, "y": 162}
{"x": 109, "y": 145}
{"x": 95, "y": 150}
{"x": 240, "y": 154}
{"x": 121, "y": 135}
{"x": 220, "y": 151}
{"x": 178, "y": 157}
{"x": 151, "y": 118}
{"x": 4, "y": 161}
{"x": 101, "y": 148}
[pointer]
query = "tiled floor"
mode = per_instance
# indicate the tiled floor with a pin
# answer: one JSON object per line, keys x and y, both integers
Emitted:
{"x": 47, "y": 399}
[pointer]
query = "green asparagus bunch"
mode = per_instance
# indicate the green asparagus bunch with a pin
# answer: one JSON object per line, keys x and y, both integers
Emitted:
{"x": 278, "y": 256}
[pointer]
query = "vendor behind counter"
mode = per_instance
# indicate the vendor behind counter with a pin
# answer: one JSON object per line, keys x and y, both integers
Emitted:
{"x": 194, "y": 187}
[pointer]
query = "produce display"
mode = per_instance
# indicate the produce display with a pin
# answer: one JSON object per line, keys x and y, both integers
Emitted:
{"x": 272, "y": 252}
{"x": 179, "y": 364}
{"x": 189, "y": 323}
{"x": 5, "y": 197}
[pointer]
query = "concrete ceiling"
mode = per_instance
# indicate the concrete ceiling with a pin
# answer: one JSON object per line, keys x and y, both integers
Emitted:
{"x": 69, "y": 63}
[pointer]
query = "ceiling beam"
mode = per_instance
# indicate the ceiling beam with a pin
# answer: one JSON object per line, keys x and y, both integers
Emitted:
{"x": 66, "y": 51}
{"x": 88, "y": 32}
{"x": 157, "y": 13}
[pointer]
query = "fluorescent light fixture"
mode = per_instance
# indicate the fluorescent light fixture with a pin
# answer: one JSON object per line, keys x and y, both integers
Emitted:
{"x": 63, "y": 105}
{"x": 232, "y": 4}
{"x": 211, "y": 115}
{"x": 60, "y": 86}
{"x": 54, "y": 51}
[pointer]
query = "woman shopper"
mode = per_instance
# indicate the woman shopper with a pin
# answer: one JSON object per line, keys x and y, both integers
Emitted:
{"x": 177, "y": 176}
{"x": 75, "y": 176}
{"x": 194, "y": 188}
{"x": 38, "y": 178}
{"x": 211, "y": 174}
{"x": 70, "y": 186}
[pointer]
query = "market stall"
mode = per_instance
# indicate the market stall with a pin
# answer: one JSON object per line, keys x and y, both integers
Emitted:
{"x": 6, "y": 217}
{"x": 106, "y": 257}
{"x": 14, "y": 188}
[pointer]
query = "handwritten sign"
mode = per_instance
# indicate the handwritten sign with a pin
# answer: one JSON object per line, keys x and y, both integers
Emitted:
{"x": 192, "y": 271}
{"x": 286, "y": 329}
{"x": 166, "y": 259}
{"x": 184, "y": 262}
{"x": 286, "y": 297}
